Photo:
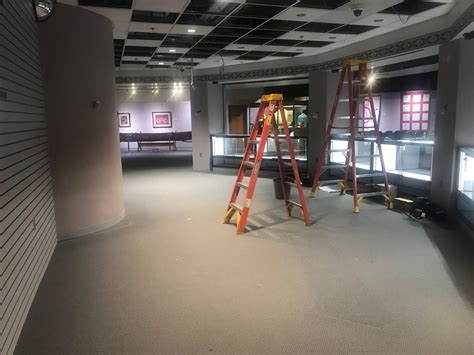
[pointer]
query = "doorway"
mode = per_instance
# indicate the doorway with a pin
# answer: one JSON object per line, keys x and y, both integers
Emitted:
{"x": 238, "y": 119}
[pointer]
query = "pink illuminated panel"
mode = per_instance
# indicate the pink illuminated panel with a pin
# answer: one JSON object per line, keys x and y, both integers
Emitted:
{"x": 415, "y": 109}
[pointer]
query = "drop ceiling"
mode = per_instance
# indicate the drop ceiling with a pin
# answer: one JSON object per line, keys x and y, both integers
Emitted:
{"x": 157, "y": 34}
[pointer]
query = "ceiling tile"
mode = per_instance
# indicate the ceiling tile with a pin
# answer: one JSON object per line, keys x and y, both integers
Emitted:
{"x": 301, "y": 14}
{"x": 231, "y": 53}
{"x": 150, "y": 27}
{"x": 283, "y": 42}
{"x": 322, "y": 4}
{"x": 115, "y": 15}
{"x": 200, "y": 19}
{"x": 146, "y": 36}
{"x": 259, "y": 11}
{"x": 123, "y": 4}
{"x": 251, "y": 40}
{"x": 411, "y": 7}
{"x": 241, "y": 47}
{"x": 184, "y": 41}
{"x": 318, "y": 27}
{"x": 332, "y": 37}
{"x": 120, "y": 29}
{"x": 178, "y": 50}
{"x": 281, "y": 25}
{"x": 154, "y": 16}
{"x": 269, "y": 34}
{"x": 272, "y": 2}
{"x": 135, "y": 59}
{"x": 199, "y": 30}
{"x": 242, "y": 22}
{"x": 164, "y": 6}
{"x": 285, "y": 54}
{"x": 211, "y": 7}
{"x": 218, "y": 39}
{"x": 142, "y": 43}
{"x": 137, "y": 51}
{"x": 353, "y": 29}
{"x": 300, "y": 35}
{"x": 314, "y": 44}
{"x": 232, "y": 32}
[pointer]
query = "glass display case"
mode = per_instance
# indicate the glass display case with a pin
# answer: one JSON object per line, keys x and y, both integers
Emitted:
{"x": 228, "y": 150}
{"x": 409, "y": 158}
{"x": 292, "y": 111}
{"x": 465, "y": 188}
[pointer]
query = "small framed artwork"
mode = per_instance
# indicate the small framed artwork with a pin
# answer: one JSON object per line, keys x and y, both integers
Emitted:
{"x": 124, "y": 119}
{"x": 162, "y": 120}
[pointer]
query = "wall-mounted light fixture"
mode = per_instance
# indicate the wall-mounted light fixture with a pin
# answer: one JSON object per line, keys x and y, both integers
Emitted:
{"x": 44, "y": 9}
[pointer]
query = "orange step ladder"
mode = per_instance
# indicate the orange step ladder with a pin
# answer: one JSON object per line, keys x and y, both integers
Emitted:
{"x": 355, "y": 98}
{"x": 252, "y": 161}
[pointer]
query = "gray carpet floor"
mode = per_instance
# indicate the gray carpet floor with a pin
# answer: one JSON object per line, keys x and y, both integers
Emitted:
{"x": 172, "y": 278}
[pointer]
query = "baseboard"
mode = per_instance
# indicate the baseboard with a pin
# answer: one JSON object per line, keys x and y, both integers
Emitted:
{"x": 93, "y": 229}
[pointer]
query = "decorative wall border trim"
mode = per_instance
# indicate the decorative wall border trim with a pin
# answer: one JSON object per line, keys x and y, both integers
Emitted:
{"x": 400, "y": 47}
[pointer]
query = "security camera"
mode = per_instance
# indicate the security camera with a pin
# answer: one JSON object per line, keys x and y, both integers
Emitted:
{"x": 357, "y": 11}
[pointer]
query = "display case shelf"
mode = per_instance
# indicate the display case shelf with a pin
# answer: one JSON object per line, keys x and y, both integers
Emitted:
{"x": 228, "y": 150}
{"x": 408, "y": 158}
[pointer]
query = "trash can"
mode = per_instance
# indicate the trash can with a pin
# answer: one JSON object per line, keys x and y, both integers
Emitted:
{"x": 278, "y": 190}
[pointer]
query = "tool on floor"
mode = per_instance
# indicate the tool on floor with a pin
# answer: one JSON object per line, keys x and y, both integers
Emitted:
{"x": 252, "y": 161}
{"x": 359, "y": 92}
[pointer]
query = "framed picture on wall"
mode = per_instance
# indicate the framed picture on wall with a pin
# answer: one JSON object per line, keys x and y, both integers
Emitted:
{"x": 124, "y": 119}
{"x": 162, "y": 120}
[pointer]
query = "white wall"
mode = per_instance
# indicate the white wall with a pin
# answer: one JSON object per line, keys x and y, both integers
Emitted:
{"x": 144, "y": 102}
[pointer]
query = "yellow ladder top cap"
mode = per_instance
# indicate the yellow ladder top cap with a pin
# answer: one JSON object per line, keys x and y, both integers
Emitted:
{"x": 354, "y": 61}
{"x": 272, "y": 97}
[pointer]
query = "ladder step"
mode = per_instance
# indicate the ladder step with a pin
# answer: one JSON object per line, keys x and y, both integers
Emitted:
{"x": 291, "y": 183}
{"x": 294, "y": 203}
{"x": 242, "y": 185}
{"x": 334, "y": 127}
{"x": 354, "y": 82}
{"x": 333, "y": 166}
{"x": 287, "y": 164}
{"x": 370, "y": 194}
{"x": 369, "y": 175}
{"x": 236, "y": 206}
{"x": 342, "y": 117}
{"x": 248, "y": 163}
{"x": 253, "y": 142}
{"x": 347, "y": 100}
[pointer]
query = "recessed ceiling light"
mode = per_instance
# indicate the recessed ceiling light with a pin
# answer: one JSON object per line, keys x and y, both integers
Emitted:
{"x": 172, "y": 50}
{"x": 378, "y": 20}
{"x": 161, "y": 63}
{"x": 300, "y": 15}
{"x": 191, "y": 30}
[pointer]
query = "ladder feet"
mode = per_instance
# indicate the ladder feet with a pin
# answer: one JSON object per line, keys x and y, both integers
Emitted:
{"x": 342, "y": 188}
{"x": 356, "y": 209}
{"x": 228, "y": 215}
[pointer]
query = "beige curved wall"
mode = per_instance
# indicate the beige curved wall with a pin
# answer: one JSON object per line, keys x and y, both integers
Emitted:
{"x": 78, "y": 67}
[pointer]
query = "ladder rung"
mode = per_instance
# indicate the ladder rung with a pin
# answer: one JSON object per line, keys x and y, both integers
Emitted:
{"x": 369, "y": 175}
{"x": 242, "y": 185}
{"x": 347, "y": 100}
{"x": 252, "y": 142}
{"x": 236, "y": 206}
{"x": 333, "y": 166}
{"x": 290, "y": 183}
{"x": 248, "y": 163}
{"x": 327, "y": 182}
{"x": 336, "y": 127}
{"x": 367, "y": 156}
{"x": 356, "y": 82}
{"x": 343, "y": 117}
{"x": 370, "y": 194}
{"x": 294, "y": 203}
{"x": 287, "y": 164}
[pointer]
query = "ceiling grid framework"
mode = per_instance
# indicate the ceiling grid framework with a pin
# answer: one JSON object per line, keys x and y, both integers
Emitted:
{"x": 158, "y": 34}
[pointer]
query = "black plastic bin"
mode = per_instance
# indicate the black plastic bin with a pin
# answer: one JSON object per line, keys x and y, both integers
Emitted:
{"x": 278, "y": 190}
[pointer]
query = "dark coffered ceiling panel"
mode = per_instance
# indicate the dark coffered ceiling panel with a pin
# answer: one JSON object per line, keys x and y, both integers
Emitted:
{"x": 172, "y": 32}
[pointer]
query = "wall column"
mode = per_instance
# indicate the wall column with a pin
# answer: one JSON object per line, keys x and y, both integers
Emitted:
{"x": 454, "y": 121}
{"x": 78, "y": 69}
